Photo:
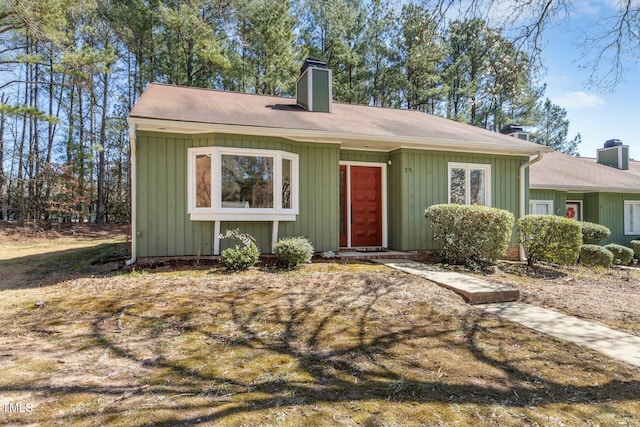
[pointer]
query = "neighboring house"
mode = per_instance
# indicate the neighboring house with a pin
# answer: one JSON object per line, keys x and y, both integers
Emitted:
{"x": 345, "y": 176}
{"x": 604, "y": 190}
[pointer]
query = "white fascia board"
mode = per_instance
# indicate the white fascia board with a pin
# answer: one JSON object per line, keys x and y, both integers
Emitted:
{"x": 302, "y": 135}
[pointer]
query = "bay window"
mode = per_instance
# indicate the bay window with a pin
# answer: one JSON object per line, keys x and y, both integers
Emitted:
{"x": 242, "y": 184}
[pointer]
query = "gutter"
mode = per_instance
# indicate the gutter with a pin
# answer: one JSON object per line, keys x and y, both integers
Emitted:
{"x": 523, "y": 195}
{"x": 132, "y": 145}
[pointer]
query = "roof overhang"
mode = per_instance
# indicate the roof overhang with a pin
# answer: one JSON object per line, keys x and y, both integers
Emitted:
{"x": 583, "y": 189}
{"x": 345, "y": 140}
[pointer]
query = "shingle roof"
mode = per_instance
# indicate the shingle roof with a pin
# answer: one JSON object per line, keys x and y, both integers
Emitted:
{"x": 354, "y": 126}
{"x": 562, "y": 172}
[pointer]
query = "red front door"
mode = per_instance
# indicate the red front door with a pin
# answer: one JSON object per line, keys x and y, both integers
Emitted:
{"x": 366, "y": 205}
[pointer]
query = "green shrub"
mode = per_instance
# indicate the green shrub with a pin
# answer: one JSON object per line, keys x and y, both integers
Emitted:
{"x": 550, "y": 238}
{"x": 622, "y": 255}
{"x": 240, "y": 257}
{"x": 635, "y": 245}
{"x": 292, "y": 251}
{"x": 593, "y": 233}
{"x": 595, "y": 256}
{"x": 471, "y": 235}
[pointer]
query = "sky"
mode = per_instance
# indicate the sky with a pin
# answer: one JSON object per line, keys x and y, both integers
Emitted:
{"x": 597, "y": 114}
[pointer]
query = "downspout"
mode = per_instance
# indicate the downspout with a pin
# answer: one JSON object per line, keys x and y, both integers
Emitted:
{"x": 523, "y": 193}
{"x": 132, "y": 145}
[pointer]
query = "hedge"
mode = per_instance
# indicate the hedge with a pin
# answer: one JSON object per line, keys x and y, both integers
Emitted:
{"x": 635, "y": 245}
{"x": 593, "y": 233}
{"x": 622, "y": 255}
{"x": 595, "y": 256}
{"x": 472, "y": 235}
{"x": 550, "y": 238}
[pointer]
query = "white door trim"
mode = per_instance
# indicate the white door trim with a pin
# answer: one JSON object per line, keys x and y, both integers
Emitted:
{"x": 383, "y": 178}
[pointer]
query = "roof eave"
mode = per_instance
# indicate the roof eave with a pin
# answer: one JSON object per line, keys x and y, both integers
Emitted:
{"x": 348, "y": 140}
{"x": 583, "y": 188}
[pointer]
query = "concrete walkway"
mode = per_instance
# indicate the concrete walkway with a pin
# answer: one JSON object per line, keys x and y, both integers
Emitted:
{"x": 615, "y": 344}
{"x": 473, "y": 289}
{"x": 618, "y": 345}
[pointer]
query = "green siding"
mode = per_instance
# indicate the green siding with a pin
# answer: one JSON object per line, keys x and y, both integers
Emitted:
{"x": 610, "y": 208}
{"x": 601, "y": 208}
{"x": 161, "y": 196}
{"x": 418, "y": 179}
{"x": 609, "y": 157}
{"x": 320, "y": 90}
{"x": 396, "y": 227}
{"x": 590, "y": 208}
{"x": 363, "y": 156}
{"x": 415, "y": 180}
{"x": 302, "y": 91}
{"x": 559, "y": 199}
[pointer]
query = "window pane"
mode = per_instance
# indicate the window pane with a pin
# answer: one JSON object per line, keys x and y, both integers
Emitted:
{"x": 286, "y": 183}
{"x": 247, "y": 181}
{"x": 203, "y": 181}
{"x": 458, "y": 186}
{"x": 540, "y": 209}
{"x": 632, "y": 217}
{"x": 477, "y": 187}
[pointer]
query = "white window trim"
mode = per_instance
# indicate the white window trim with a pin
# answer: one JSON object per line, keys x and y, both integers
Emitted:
{"x": 579, "y": 202}
{"x": 549, "y": 203}
{"x": 486, "y": 167}
{"x": 628, "y": 231}
{"x": 218, "y": 213}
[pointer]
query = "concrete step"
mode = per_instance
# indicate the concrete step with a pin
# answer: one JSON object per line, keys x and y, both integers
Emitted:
{"x": 474, "y": 290}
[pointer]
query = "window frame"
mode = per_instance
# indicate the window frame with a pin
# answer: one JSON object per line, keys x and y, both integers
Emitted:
{"x": 216, "y": 212}
{"x": 533, "y": 202}
{"x": 578, "y": 203}
{"x": 635, "y": 204}
{"x": 486, "y": 167}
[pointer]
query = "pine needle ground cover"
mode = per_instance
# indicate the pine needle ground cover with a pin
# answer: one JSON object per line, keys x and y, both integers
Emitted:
{"x": 329, "y": 344}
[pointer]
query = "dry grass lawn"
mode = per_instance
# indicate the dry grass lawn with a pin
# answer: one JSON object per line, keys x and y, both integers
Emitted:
{"x": 330, "y": 344}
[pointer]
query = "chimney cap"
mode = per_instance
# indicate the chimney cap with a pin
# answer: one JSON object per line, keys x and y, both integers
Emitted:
{"x": 511, "y": 128}
{"x": 612, "y": 143}
{"x": 313, "y": 62}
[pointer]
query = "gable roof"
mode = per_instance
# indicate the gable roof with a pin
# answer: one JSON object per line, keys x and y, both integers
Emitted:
{"x": 168, "y": 108}
{"x": 558, "y": 171}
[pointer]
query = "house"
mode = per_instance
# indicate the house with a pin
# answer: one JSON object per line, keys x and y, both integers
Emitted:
{"x": 604, "y": 190}
{"x": 345, "y": 176}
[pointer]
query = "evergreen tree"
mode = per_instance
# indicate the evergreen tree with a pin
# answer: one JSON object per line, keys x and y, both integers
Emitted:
{"x": 266, "y": 63}
{"x": 419, "y": 58}
{"x": 552, "y": 129}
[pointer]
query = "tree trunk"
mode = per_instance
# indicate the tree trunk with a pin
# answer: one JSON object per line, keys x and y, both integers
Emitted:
{"x": 103, "y": 143}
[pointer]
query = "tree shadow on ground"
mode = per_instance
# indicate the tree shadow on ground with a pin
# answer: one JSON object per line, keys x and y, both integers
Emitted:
{"x": 350, "y": 344}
